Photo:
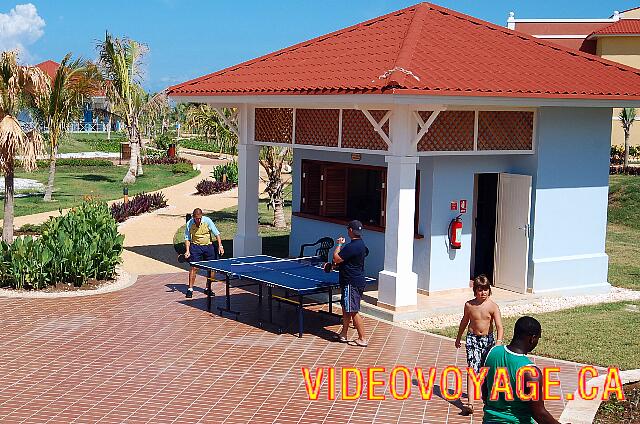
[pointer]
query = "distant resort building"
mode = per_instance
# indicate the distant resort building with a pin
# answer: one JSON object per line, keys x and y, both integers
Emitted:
{"x": 94, "y": 118}
{"x": 616, "y": 38}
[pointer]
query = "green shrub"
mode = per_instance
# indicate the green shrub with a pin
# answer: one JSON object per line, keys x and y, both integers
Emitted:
{"x": 82, "y": 244}
{"x": 228, "y": 147}
{"x": 165, "y": 160}
{"x": 617, "y": 154}
{"x": 31, "y": 228}
{"x": 162, "y": 141}
{"x": 76, "y": 162}
{"x": 229, "y": 169}
{"x": 181, "y": 168}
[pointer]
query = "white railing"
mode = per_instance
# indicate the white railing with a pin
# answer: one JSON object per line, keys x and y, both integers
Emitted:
{"x": 87, "y": 127}
{"x": 73, "y": 127}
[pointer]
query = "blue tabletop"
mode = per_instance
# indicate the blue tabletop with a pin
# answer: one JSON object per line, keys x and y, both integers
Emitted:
{"x": 300, "y": 275}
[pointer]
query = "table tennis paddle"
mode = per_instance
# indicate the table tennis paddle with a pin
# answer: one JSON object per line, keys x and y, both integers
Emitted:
{"x": 327, "y": 267}
{"x": 181, "y": 258}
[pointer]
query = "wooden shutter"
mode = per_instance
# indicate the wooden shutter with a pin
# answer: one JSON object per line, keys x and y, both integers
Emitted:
{"x": 311, "y": 187}
{"x": 334, "y": 202}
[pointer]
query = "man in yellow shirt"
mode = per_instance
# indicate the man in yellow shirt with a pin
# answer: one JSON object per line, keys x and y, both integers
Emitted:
{"x": 198, "y": 241}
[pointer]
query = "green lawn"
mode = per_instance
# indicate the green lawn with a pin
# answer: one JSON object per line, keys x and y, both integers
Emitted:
{"x": 601, "y": 334}
{"x": 90, "y": 142}
{"x": 73, "y": 183}
{"x": 274, "y": 241}
{"x": 623, "y": 232}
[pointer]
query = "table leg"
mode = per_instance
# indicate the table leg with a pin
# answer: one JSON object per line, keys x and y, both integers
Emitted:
{"x": 330, "y": 299}
{"x": 209, "y": 291}
{"x": 300, "y": 317}
{"x": 228, "y": 301}
{"x": 270, "y": 294}
{"x": 259, "y": 294}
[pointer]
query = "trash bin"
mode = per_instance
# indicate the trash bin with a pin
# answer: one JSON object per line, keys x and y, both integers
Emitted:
{"x": 172, "y": 151}
{"x": 125, "y": 151}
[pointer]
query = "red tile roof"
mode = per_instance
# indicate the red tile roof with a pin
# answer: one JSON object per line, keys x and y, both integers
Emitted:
{"x": 424, "y": 49}
{"x": 49, "y": 67}
{"x": 622, "y": 27}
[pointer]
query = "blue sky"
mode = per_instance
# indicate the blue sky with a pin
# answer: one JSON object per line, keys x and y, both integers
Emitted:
{"x": 190, "y": 38}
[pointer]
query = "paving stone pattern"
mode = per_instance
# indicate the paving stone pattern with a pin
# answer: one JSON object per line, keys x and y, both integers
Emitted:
{"x": 146, "y": 354}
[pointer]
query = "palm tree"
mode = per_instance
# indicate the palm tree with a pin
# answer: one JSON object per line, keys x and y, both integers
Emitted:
{"x": 119, "y": 60}
{"x": 20, "y": 86}
{"x": 206, "y": 119}
{"x": 75, "y": 80}
{"x": 272, "y": 160}
{"x": 627, "y": 117}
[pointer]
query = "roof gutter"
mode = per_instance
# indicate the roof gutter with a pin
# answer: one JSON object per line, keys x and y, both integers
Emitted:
{"x": 350, "y": 100}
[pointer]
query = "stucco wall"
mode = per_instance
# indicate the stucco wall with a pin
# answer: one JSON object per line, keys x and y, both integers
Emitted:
{"x": 571, "y": 193}
{"x": 453, "y": 180}
{"x": 625, "y": 50}
{"x": 569, "y": 205}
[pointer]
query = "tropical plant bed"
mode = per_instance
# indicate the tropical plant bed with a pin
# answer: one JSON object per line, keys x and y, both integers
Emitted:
{"x": 616, "y": 411}
{"x": 619, "y": 170}
{"x": 81, "y": 245}
{"x": 138, "y": 205}
{"x": 209, "y": 187}
{"x": 90, "y": 284}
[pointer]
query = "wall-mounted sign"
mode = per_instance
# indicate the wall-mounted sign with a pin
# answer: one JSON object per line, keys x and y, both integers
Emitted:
{"x": 463, "y": 206}
{"x": 356, "y": 156}
{"x": 454, "y": 206}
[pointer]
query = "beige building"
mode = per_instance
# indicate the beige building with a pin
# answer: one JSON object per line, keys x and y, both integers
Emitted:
{"x": 616, "y": 38}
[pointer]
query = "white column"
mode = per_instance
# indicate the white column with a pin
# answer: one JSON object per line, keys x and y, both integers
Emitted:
{"x": 397, "y": 283}
{"x": 247, "y": 241}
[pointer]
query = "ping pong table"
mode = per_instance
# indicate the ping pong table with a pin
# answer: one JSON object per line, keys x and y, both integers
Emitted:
{"x": 296, "y": 277}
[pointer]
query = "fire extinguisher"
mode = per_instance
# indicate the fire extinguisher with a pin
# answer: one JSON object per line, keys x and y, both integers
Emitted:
{"x": 455, "y": 232}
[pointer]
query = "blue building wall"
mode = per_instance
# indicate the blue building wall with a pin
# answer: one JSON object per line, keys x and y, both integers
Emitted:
{"x": 569, "y": 172}
{"x": 571, "y": 194}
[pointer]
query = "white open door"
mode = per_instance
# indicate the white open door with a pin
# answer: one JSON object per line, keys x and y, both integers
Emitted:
{"x": 512, "y": 232}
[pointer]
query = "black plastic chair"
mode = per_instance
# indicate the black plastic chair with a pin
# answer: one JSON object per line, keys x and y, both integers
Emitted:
{"x": 325, "y": 244}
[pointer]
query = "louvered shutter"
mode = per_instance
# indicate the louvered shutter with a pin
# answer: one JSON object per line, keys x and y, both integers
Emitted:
{"x": 334, "y": 185}
{"x": 311, "y": 187}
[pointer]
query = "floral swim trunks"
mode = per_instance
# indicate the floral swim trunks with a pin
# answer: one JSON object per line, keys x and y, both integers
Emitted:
{"x": 477, "y": 349}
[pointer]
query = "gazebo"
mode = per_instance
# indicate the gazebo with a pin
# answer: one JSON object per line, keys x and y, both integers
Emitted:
{"x": 412, "y": 119}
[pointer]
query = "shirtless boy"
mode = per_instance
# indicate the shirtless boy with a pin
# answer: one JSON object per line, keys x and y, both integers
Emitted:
{"x": 480, "y": 316}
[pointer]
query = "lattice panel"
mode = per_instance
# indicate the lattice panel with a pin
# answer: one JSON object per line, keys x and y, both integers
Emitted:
{"x": 317, "y": 127}
{"x": 274, "y": 125}
{"x": 451, "y": 131}
{"x": 424, "y": 115}
{"x": 358, "y": 133}
{"x": 505, "y": 130}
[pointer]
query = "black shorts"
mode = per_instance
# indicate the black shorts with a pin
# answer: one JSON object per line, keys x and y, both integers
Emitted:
{"x": 351, "y": 297}
{"x": 202, "y": 253}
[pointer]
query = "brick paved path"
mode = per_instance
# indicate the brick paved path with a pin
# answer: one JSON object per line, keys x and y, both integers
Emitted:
{"x": 145, "y": 354}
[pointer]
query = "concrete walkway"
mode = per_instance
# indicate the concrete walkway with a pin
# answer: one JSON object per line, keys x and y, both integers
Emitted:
{"x": 149, "y": 237}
